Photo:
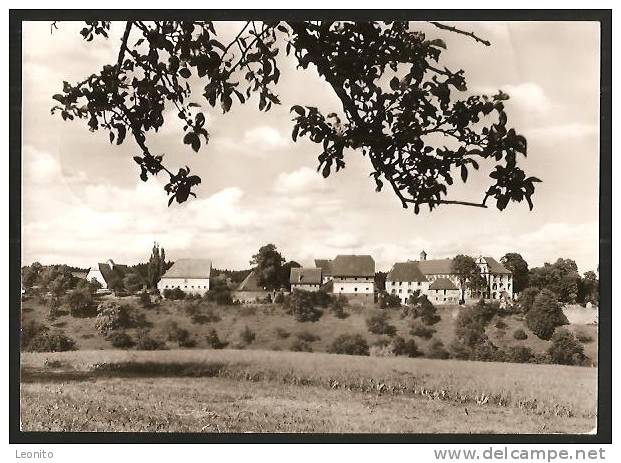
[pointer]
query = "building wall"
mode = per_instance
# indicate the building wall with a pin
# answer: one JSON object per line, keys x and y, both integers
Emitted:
{"x": 444, "y": 296}
{"x": 305, "y": 286}
{"x": 404, "y": 289}
{"x": 187, "y": 285}
{"x": 96, "y": 274}
{"x": 353, "y": 285}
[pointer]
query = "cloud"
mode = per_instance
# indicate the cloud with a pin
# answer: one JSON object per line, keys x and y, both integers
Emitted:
{"x": 564, "y": 131}
{"x": 264, "y": 137}
{"x": 300, "y": 181}
{"x": 527, "y": 96}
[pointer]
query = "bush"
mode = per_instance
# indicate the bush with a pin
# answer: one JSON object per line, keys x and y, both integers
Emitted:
{"x": 299, "y": 345}
{"x": 121, "y": 340}
{"x": 545, "y": 315}
{"x": 301, "y": 304}
{"x": 281, "y": 332}
{"x": 338, "y": 305}
{"x": 213, "y": 340}
{"x": 219, "y": 293}
{"x": 132, "y": 282}
{"x": 80, "y": 302}
{"x": 422, "y": 331}
{"x": 436, "y": 350}
{"x": 387, "y": 300}
{"x": 520, "y": 334}
{"x": 566, "y": 349}
{"x": 307, "y": 336}
{"x": 378, "y": 324}
{"x": 350, "y": 344}
{"x": 247, "y": 335}
{"x": 427, "y": 311}
{"x": 145, "y": 299}
{"x": 583, "y": 337}
{"x": 199, "y": 317}
{"x": 518, "y": 354}
{"x": 527, "y": 298}
{"x": 501, "y": 325}
{"x": 279, "y": 298}
{"x": 112, "y": 316}
{"x": 51, "y": 342}
{"x": 144, "y": 341}
{"x": 174, "y": 294}
{"x": 174, "y": 333}
{"x": 29, "y": 331}
{"x": 406, "y": 348}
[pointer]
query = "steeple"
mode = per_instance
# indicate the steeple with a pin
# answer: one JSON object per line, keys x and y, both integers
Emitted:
{"x": 423, "y": 255}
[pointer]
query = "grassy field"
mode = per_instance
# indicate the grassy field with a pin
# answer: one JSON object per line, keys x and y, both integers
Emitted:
{"x": 276, "y": 330}
{"x": 267, "y": 391}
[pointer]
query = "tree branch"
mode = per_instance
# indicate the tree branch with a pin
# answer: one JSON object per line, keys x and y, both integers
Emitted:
{"x": 487, "y": 43}
{"x": 128, "y": 28}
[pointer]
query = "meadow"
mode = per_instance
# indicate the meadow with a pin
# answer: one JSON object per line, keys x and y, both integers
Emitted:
{"x": 266, "y": 391}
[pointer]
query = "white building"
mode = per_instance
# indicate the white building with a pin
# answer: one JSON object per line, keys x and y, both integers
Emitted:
{"x": 308, "y": 279}
{"x": 353, "y": 275}
{"x": 404, "y": 279}
{"x": 189, "y": 275}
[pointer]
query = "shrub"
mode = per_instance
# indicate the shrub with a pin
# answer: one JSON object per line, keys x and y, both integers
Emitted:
{"x": 436, "y": 350}
{"x": 545, "y": 315}
{"x": 174, "y": 294}
{"x": 213, "y": 340}
{"x": 299, "y": 345}
{"x": 350, "y": 344}
{"x": 80, "y": 302}
{"x": 279, "y": 298}
{"x": 387, "y": 300}
{"x": 29, "y": 331}
{"x": 51, "y": 342}
{"x": 247, "y": 335}
{"x": 112, "y": 316}
{"x": 121, "y": 340}
{"x": 199, "y": 317}
{"x": 583, "y": 337}
{"x": 144, "y": 341}
{"x": 378, "y": 324}
{"x": 406, "y": 348}
{"x": 422, "y": 331}
{"x": 427, "y": 311}
{"x": 174, "y": 333}
{"x": 281, "y": 333}
{"x": 132, "y": 282}
{"x": 338, "y": 305}
{"x": 219, "y": 293}
{"x": 501, "y": 325}
{"x": 518, "y": 354}
{"x": 566, "y": 349}
{"x": 307, "y": 336}
{"x": 301, "y": 304}
{"x": 520, "y": 334}
{"x": 145, "y": 299}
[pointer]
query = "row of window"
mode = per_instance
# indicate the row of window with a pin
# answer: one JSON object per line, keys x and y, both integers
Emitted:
{"x": 393, "y": 283}
{"x": 356, "y": 289}
{"x": 185, "y": 287}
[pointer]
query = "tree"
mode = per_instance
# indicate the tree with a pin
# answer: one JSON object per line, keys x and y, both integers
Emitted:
{"x": 269, "y": 263}
{"x": 468, "y": 273}
{"x": 519, "y": 268}
{"x": 588, "y": 288}
{"x": 545, "y": 315}
{"x": 30, "y": 274}
{"x": 80, "y": 301}
{"x": 527, "y": 298}
{"x": 400, "y": 107}
{"x": 302, "y": 305}
{"x": 561, "y": 277}
{"x": 156, "y": 266}
{"x": 286, "y": 272}
{"x": 132, "y": 282}
{"x": 56, "y": 279}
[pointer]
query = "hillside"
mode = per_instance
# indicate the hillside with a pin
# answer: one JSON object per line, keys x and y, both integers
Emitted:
{"x": 276, "y": 330}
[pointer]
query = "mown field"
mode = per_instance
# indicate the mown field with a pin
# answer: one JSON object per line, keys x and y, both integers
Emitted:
{"x": 266, "y": 391}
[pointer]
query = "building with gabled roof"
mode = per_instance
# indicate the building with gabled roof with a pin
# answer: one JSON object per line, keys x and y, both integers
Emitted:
{"x": 405, "y": 279}
{"x": 189, "y": 275}
{"x": 106, "y": 272}
{"x": 306, "y": 278}
{"x": 443, "y": 291}
{"x": 326, "y": 268}
{"x": 351, "y": 274}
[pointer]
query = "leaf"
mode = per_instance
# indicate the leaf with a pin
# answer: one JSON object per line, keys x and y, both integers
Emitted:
{"x": 58, "y": 97}
{"x": 438, "y": 43}
{"x": 394, "y": 83}
{"x": 185, "y": 73}
{"x": 200, "y": 119}
{"x": 464, "y": 173}
{"x": 294, "y": 134}
{"x": 298, "y": 109}
{"x": 122, "y": 132}
{"x": 111, "y": 137}
{"x": 326, "y": 171}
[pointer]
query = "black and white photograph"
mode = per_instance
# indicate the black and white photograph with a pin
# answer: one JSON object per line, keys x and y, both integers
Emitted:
{"x": 263, "y": 223}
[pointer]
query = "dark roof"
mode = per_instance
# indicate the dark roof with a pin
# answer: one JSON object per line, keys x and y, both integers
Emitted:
{"x": 80, "y": 274}
{"x": 442, "y": 283}
{"x": 189, "y": 268}
{"x": 436, "y": 266}
{"x": 495, "y": 266}
{"x": 406, "y": 271}
{"x": 109, "y": 272}
{"x": 328, "y": 287}
{"x": 305, "y": 276}
{"x": 353, "y": 266}
{"x": 250, "y": 283}
{"x": 324, "y": 265}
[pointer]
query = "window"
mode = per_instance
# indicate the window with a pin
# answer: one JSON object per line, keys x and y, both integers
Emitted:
{"x": 166, "y": 286}
{"x": 341, "y": 289}
{"x": 400, "y": 283}
{"x": 399, "y": 291}
{"x": 355, "y": 278}
{"x": 419, "y": 283}
{"x": 445, "y": 293}
{"x": 356, "y": 289}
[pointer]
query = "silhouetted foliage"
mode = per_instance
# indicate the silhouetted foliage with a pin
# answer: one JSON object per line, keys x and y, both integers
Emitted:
{"x": 545, "y": 315}
{"x": 350, "y": 344}
{"x": 561, "y": 278}
{"x": 566, "y": 349}
{"x": 302, "y": 305}
{"x": 401, "y": 107}
{"x": 401, "y": 347}
{"x": 268, "y": 264}
{"x": 377, "y": 323}
{"x": 515, "y": 263}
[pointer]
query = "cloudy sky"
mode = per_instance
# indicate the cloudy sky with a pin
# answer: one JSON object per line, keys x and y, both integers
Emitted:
{"x": 83, "y": 201}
